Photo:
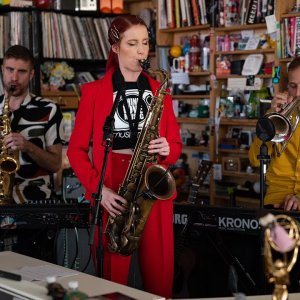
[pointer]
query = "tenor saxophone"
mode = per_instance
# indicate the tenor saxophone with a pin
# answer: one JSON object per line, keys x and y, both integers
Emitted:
{"x": 145, "y": 180}
{"x": 9, "y": 159}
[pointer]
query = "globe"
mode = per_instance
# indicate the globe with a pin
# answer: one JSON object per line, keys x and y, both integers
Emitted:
{"x": 175, "y": 51}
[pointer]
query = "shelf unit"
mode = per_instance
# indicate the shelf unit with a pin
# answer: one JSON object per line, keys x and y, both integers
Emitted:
{"x": 172, "y": 37}
{"x": 35, "y": 41}
{"x": 69, "y": 100}
{"x": 285, "y": 12}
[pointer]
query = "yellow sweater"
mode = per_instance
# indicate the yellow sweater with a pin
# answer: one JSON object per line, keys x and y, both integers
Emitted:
{"x": 283, "y": 174}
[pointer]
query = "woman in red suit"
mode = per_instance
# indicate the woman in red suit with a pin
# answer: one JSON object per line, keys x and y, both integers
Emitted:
{"x": 124, "y": 80}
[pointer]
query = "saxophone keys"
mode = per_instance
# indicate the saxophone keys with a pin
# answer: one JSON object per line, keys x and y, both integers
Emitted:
{"x": 131, "y": 187}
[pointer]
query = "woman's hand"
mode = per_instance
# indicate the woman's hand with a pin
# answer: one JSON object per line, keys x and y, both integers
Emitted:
{"x": 160, "y": 146}
{"x": 290, "y": 202}
{"x": 279, "y": 100}
{"x": 112, "y": 202}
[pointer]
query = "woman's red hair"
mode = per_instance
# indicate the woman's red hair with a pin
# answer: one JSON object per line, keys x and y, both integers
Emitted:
{"x": 118, "y": 26}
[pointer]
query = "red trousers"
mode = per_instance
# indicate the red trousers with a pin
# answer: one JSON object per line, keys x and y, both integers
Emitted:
{"x": 156, "y": 250}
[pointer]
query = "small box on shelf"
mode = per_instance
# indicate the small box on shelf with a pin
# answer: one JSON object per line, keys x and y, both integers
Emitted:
{"x": 230, "y": 164}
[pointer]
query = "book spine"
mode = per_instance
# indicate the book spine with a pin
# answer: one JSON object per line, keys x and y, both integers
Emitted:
{"x": 251, "y": 18}
{"x": 278, "y": 40}
{"x": 177, "y": 14}
{"x": 297, "y": 49}
{"x": 195, "y": 12}
{"x": 183, "y": 13}
{"x": 170, "y": 13}
{"x": 293, "y": 34}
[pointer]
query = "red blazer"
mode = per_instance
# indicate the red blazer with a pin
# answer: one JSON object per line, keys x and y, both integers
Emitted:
{"x": 95, "y": 105}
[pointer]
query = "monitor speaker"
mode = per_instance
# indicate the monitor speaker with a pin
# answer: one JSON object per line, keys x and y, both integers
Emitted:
{"x": 73, "y": 250}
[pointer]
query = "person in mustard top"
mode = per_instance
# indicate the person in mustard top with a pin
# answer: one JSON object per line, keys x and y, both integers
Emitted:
{"x": 283, "y": 174}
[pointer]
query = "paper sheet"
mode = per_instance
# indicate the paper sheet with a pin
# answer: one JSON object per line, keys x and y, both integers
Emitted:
{"x": 40, "y": 273}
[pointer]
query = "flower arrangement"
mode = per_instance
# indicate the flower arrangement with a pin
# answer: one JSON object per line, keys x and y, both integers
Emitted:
{"x": 55, "y": 74}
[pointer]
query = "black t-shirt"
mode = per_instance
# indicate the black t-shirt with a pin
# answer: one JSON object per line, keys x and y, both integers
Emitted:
{"x": 135, "y": 98}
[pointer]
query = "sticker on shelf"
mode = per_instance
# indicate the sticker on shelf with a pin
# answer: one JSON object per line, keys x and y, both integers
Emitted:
{"x": 217, "y": 171}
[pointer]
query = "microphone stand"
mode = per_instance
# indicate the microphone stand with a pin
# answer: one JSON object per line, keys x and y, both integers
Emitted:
{"x": 108, "y": 129}
{"x": 264, "y": 158}
{"x": 265, "y": 131}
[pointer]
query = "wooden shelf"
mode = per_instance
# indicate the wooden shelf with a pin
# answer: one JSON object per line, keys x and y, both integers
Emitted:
{"x": 245, "y": 52}
{"x": 289, "y": 15}
{"x": 197, "y": 148}
{"x": 238, "y": 122}
{"x": 240, "y": 27}
{"x": 135, "y": 1}
{"x": 285, "y": 60}
{"x": 241, "y": 76}
{"x": 202, "y": 73}
{"x": 203, "y": 121}
{"x": 216, "y": 29}
{"x": 58, "y": 93}
{"x": 183, "y": 29}
{"x": 234, "y": 151}
{"x": 65, "y": 99}
{"x": 190, "y": 97}
{"x": 250, "y": 176}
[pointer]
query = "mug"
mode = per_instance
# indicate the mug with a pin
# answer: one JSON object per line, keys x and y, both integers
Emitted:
{"x": 178, "y": 64}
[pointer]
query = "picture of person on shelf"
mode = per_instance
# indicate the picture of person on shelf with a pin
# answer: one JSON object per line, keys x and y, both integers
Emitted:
{"x": 282, "y": 177}
{"x": 34, "y": 135}
{"x": 127, "y": 83}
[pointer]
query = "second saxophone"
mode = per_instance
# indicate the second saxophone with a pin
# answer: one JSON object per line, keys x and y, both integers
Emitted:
{"x": 9, "y": 159}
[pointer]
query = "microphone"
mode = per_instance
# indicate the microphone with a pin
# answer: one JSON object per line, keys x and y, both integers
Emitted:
{"x": 108, "y": 128}
{"x": 265, "y": 129}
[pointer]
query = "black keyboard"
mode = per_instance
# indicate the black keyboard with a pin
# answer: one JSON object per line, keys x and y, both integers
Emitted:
{"x": 225, "y": 219}
{"x": 44, "y": 215}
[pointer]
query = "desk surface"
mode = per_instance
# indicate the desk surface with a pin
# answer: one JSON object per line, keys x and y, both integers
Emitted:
{"x": 91, "y": 285}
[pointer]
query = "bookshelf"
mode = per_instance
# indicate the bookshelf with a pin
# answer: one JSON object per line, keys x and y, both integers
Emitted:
{"x": 285, "y": 16}
{"x": 78, "y": 38}
{"x": 39, "y": 19}
{"x": 172, "y": 36}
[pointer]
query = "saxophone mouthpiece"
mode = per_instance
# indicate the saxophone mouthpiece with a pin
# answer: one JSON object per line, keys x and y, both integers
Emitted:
{"x": 145, "y": 64}
{"x": 12, "y": 88}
